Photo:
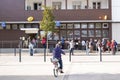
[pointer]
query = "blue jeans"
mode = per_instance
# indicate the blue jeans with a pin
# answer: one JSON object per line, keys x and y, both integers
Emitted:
{"x": 60, "y": 63}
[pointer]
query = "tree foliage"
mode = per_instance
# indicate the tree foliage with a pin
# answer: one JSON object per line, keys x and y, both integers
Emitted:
{"x": 48, "y": 22}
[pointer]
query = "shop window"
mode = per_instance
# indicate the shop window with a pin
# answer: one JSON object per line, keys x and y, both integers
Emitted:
{"x": 77, "y": 26}
{"x": 91, "y": 25}
{"x": 69, "y": 26}
{"x": 98, "y": 25}
{"x": 105, "y": 25}
{"x": 91, "y": 33}
{"x": 1, "y": 27}
{"x": 14, "y": 26}
{"x": 63, "y": 26}
{"x": 69, "y": 34}
{"x": 63, "y": 34}
{"x": 98, "y": 33}
{"x": 77, "y": 33}
{"x": 105, "y": 34}
{"x": 84, "y": 33}
{"x": 28, "y": 26}
{"x": 21, "y": 26}
{"x": 84, "y": 25}
{"x": 37, "y": 6}
{"x": 8, "y": 26}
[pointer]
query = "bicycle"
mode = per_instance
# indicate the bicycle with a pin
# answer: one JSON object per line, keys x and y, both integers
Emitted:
{"x": 56, "y": 67}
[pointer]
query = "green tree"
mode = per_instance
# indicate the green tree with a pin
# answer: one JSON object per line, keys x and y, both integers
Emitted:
{"x": 48, "y": 23}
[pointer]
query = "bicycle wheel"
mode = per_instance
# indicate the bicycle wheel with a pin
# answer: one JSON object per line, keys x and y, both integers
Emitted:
{"x": 55, "y": 71}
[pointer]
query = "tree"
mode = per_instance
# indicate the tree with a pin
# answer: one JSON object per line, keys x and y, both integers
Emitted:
{"x": 48, "y": 23}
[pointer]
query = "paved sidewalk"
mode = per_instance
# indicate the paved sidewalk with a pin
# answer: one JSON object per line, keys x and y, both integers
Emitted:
{"x": 80, "y": 68}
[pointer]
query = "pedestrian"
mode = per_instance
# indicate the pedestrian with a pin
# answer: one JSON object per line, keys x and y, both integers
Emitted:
{"x": 99, "y": 45}
{"x": 31, "y": 50}
{"x": 57, "y": 51}
{"x": 71, "y": 45}
{"x": 87, "y": 47}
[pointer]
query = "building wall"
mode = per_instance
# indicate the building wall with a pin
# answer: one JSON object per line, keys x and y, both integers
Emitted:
{"x": 116, "y": 20}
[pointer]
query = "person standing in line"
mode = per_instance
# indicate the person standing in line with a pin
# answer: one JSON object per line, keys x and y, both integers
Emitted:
{"x": 71, "y": 44}
{"x": 31, "y": 49}
{"x": 108, "y": 45}
{"x": 99, "y": 45}
{"x": 57, "y": 51}
{"x": 83, "y": 45}
{"x": 87, "y": 47}
{"x": 44, "y": 44}
{"x": 63, "y": 42}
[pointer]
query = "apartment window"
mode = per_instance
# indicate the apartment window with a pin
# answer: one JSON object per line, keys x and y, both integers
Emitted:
{"x": 76, "y": 4}
{"x": 96, "y": 5}
{"x": 37, "y": 6}
{"x": 33, "y": 4}
{"x": 56, "y": 5}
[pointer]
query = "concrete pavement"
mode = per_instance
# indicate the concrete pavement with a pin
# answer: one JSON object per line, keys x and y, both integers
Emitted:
{"x": 80, "y": 68}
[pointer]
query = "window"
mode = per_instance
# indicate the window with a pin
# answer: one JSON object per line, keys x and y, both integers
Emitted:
{"x": 84, "y": 33}
{"x": 70, "y": 26}
{"x": 56, "y": 5}
{"x": 77, "y": 26}
{"x": 84, "y": 25}
{"x": 91, "y": 33}
{"x": 105, "y": 34}
{"x": 105, "y": 25}
{"x": 77, "y": 33}
{"x": 63, "y": 26}
{"x": 14, "y": 26}
{"x": 98, "y": 25}
{"x": 33, "y": 4}
{"x": 96, "y": 5}
{"x": 91, "y": 25}
{"x": 37, "y": 6}
{"x": 69, "y": 34}
{"x": 28, "y": 25}
{"x": 21, "y": 26}
{"x": 76, "y": 4}
{"x": 98, "y": 33}
{"x": 8, "y": 27}
{"x": 63, "y": 34}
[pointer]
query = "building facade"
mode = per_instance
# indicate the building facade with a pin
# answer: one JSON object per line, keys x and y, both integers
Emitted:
{"x": 81, "y": 19}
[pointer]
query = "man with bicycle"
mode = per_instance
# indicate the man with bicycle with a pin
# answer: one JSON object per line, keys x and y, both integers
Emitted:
{"x": 57, "y": 55}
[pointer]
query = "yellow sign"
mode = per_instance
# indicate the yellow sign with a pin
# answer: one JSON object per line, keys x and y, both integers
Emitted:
{"x": 30, "y": 19}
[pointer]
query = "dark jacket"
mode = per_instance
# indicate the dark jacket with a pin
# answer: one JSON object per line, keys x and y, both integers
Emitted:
{"x": 57, "y": 52}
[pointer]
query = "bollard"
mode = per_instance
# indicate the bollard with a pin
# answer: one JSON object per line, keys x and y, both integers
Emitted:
{"x": 19, "y": 54}
{"x": 14, "y": 51}
{"x": 70, "y": 57}
{"x": 44, "y": 54}
{"x": 100, "y": 55}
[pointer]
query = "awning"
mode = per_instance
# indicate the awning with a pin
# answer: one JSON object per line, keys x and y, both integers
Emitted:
{"x": 30, "y": 30}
